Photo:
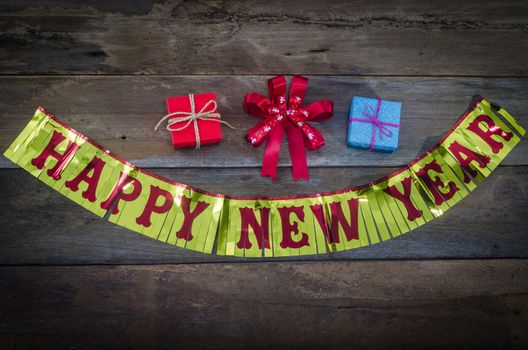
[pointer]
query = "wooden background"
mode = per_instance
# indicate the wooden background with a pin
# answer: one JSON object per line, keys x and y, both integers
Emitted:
{"x": 71, "y": 280}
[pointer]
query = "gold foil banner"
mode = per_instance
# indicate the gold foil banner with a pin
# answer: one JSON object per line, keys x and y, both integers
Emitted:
{"x": 190, "y": 218}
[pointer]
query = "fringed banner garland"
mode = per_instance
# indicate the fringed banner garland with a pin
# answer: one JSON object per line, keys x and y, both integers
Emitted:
{"x": 267, "y": 227}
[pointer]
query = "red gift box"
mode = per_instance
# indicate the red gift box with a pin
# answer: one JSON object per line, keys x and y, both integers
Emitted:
{"x": 209, "y": 130}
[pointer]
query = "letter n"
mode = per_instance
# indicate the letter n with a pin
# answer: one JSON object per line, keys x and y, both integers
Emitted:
{"x": 261, "y": 231}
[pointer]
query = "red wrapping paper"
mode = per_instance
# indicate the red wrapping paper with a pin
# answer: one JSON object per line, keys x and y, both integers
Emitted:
{"x": 210, "y": 131}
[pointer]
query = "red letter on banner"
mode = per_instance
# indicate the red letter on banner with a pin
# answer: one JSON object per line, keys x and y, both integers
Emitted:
{"x": 338, "y": 218}
{"x": 288, "y": 228}
{"x": 151, "y": 207}
{"x": 465, "y": 156}
{"x": 318, "y": 211}
{"x": 189, "y": 216}
{"x": 50, "y": 151}
{"x": 96, "y": 165}
{"x": 247, "y": 216}
{"x": 118, "y": 193}
{"x": 434, "y": 184}
{"x": 405, "y": 198}
{"x": 492, "y": 129}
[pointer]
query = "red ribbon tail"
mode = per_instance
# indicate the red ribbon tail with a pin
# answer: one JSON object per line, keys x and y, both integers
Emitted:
{"x": 271, "y": 153}
{"x": 297, "y": 153}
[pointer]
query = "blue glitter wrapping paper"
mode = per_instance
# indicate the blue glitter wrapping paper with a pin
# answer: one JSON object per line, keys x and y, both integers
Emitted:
{"x": 360, "y": 133}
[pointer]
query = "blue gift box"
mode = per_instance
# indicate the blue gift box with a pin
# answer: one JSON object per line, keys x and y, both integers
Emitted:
{"x": 371, "y": 115}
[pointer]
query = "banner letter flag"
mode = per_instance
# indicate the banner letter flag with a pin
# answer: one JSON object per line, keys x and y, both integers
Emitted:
{"x": 198, "y": 220}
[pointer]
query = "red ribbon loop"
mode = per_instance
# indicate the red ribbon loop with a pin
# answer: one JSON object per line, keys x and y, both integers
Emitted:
{"x": 282, "y": 114}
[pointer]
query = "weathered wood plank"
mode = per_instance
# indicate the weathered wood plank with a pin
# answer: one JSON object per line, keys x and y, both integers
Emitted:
{"x": 210, "y": 37}
{"x": 40, "y": 226}
{"x": 120, "y": 113}
{"x": 340, "y": 305}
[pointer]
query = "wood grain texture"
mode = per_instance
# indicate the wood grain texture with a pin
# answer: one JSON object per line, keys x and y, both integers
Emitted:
{"x": 120, "y": 113}
{"x": 341, "y": 305}
{"x": 40, "y": 226}
{"x": 254, "y": 37}
{"x": 71, "y": 280}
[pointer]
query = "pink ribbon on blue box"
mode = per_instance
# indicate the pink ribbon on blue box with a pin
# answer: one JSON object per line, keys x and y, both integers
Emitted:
{"x": 371, "y": 116}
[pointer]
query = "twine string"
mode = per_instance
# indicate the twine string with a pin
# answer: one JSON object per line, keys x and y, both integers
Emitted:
{"x": 205, "y": 113}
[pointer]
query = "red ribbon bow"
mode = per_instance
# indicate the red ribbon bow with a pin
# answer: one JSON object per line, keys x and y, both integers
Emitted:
{"x": 280, "y": 116}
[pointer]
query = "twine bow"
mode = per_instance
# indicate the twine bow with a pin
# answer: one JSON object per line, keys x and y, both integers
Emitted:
{"x": 372, "y": 118}
{"x": 192, "y": 117}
